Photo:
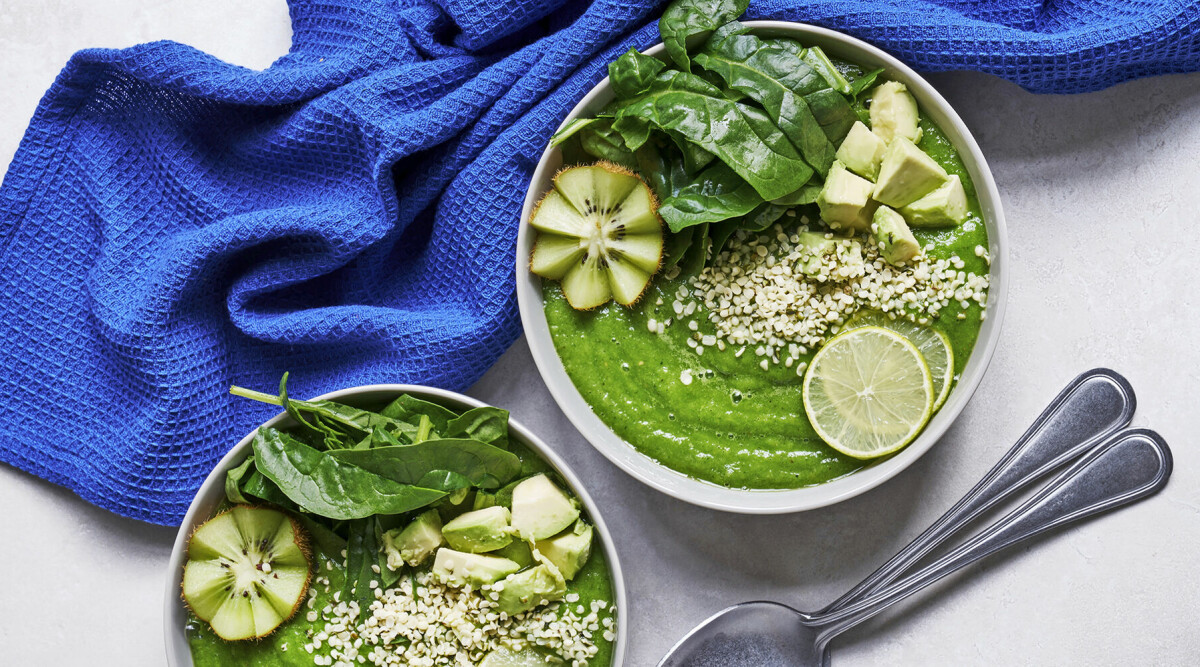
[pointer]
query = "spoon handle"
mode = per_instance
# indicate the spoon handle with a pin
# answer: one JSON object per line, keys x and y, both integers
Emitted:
{"x": 1092, "y": 407}
{"x": 1132, "y": 465}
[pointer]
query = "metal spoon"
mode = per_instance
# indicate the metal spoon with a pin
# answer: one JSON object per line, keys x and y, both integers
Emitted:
{"x": 1090, "y": 408}
{"x": 1129, "y": 467}
{"x": 1093, "y": 406}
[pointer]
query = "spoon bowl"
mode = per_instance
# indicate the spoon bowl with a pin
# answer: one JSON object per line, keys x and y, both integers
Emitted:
{"x": 1132, "y": 465}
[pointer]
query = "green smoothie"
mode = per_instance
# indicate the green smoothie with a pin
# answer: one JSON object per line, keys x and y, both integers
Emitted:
{"x": 286, "y": 646}
{"x": 733, "y": 424}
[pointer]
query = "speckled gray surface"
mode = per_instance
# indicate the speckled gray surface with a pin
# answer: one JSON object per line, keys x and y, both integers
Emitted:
{"x": 1102, "y": 194}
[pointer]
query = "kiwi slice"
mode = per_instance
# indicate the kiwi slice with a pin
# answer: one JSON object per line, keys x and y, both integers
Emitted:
{"x": 599, "y": 234}
{"x": 247, "y": 571}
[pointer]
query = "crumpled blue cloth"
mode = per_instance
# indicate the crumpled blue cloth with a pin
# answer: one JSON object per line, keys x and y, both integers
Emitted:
{"x": 173, "y": 224}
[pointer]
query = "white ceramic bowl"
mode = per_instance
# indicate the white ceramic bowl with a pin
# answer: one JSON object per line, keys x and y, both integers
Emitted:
{"x": 617, "y": 450}
{"x": 212, "y": 492}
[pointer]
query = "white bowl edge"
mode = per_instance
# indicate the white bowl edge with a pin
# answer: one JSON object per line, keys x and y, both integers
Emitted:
{"x": 772, "y": 501}
{"x": 212, "y": 492}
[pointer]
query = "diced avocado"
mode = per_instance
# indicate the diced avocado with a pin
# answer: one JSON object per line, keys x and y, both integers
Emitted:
{"x": 829, "y": 256}
{"x": 483, "y": 500}
{"x": 457, "y": 568}
{"x": 517, "y": 551}
{"x": 415, "y": 543}
{"x": 861, "y": 151}
{"x": 944, "y": 207}
{"x": 569, "y": 550}
{"x": 525, "y": 590}
{"x": 906, "y": 174}
{"x": 478, "y": 531}
{"x": 896, "y": 243}
{"x": 845, "y": 199}
{"x": 894, "y": 112}
{"x": 540, "y": 509}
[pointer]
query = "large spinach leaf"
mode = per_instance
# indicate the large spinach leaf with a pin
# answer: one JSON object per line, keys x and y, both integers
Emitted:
{"x": 633, "y": 73}
{"x": 487, "y": 424}
{"x": 833, "y": 112}
{"x": 410, "y": 409}
{"x": 483, "y": 465}
{"x": 362, "y": 551}
{"x": 322, "y": 484}
{"x": 775, "y": 78}
{"x": 821, "y": 63}
{"x": 741, "y": 136}
{"x": 602, "y": 141}
{"x": 716, "y": 194}
{"x": 684, "y": 19}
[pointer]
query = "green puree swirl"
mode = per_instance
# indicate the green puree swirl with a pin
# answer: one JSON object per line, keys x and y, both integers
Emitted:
{"x": 738, "y": 426}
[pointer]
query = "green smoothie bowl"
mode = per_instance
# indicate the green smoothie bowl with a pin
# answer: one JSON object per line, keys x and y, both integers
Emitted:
{"x": 762, "y": 268}
{"x": 393, "y": 525}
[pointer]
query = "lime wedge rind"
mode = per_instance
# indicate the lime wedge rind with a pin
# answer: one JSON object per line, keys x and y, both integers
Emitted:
{"x": 868, "y": 392}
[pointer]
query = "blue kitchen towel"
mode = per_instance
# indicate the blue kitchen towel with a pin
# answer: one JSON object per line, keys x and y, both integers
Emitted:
{"x": 173, "y": 224}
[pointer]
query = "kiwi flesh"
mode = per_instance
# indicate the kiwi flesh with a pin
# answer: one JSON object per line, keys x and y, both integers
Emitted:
{"x": 599, "y": 234}
{"x": 247, "y": 571}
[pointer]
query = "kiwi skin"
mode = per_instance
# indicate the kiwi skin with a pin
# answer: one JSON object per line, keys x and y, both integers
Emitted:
{"x": 654, "y": 204}
{"x": 301, "y": 539}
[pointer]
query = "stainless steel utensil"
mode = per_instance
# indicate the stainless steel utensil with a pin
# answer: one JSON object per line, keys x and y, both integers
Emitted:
{"x": 1128, "y": 467}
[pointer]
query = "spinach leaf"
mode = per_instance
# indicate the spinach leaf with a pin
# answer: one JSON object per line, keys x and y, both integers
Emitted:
{"x": 484, "y": 465}
{"x": 764, "y": 216}
{"x": 325, "y": 540}
{"x": 833, "y": 112}
{"x": 720, "y": 233}
{"x": 487, "y": 424}
{"x": 661, "y": 164}
{"x": 444, "y": 480}
{"x": 409, "y": 409}
{"x": 807, "y": 194}
{"x": 326, "y": 486}
{"x": 258, "y": 486}
{"x": 602, "y": 141}
{"x": 695, "y": 157}
{"x": 632, "y": 73}
{"x": 684, "y": 19}
{"x": 362, "y": 551}
{"x": 233, "y": 481}
{"x": 575, "y": 125}
{"x": 675, "y": 247}
{"x": 820, "y": 62}
{"x": 741, "y": 136}
{"x": 697, "y": 253}
{"x": 716, "y": 194}
{"x": 864, "y": 82}
{"x": 775, "y": 78}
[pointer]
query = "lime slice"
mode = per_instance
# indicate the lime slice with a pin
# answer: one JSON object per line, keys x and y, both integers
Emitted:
{"x": 505, "y": 657}
{"x": 868, "y": 392}
{"x": 933, "y": 344}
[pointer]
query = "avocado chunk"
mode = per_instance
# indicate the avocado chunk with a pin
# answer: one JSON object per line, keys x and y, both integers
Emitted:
{"x": 906, "y": 174}
{"x": 944, "y": 207}
{"x": 415, "y": 543}
{"x": 519, "y": 552}
{"x": 457, "y": 568}
{"x": 540, "y": 509}
{"x": 569, "y": 550}
{"x": 894, "y": 112}
{"x": 829, "y": 256}
{"x": 479, "y": 531}
{"x": 896, "y": 243}
{"x": 845, "y": 199}
{"x": 861, "y": 151}
{"x": 520, "y": 592}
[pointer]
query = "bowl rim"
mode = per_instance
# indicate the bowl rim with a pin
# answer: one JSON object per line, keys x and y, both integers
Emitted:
{"x": 210, "y": 493}
{"x": 775, "y": 501}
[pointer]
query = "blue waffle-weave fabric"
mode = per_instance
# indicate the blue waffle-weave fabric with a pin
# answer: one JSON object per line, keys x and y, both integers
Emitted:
{"x": 173, "y": 224}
